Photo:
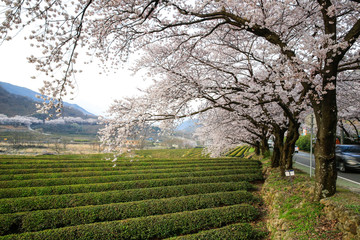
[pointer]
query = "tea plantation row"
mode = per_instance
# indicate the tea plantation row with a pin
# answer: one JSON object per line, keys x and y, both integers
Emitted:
{"x": 84, "y": 197}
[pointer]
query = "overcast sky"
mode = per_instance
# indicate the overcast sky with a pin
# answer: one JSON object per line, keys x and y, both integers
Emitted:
{"x": 95, "y": 92}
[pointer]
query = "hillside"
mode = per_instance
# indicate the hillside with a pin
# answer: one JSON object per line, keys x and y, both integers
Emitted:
{"x": 15, "y": 100}
{"x": 11, "y": 104}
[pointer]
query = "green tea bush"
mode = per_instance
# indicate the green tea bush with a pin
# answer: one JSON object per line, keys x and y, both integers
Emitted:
{"x": 239, "y": 231}
{"x": 152, "y": 227}
{"x": 112, "y": 171}
{"x": 128, "y": 164}
{"x": 47, "y": 219}
{"x": 115, "y": 178}
{"x": 12, "y": 205}
{"x": 124, "y": 167}
{"x": 236, "y": 151}
{"x": 101, "y": 187}
{"x": 242, "y": 151}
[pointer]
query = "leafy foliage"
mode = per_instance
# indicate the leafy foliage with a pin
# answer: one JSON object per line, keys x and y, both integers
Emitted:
{"x": 304, "y": 143}
{"x": 148, "y": 198}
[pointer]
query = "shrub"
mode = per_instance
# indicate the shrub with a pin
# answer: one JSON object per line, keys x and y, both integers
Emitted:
{"x": 136, "y": 164}
{"x": 115, "y": 178}
{"x": 46, "y": 219}
{"x": 304, "y": 142}
{"x": 108, "y": 172}
{"x": 121, "y": 168}
{"x": 239, "y": 231}
{"x": 152, "y": 227}
{"x": 11, "y": 205}
{"x": 101, "y": 187}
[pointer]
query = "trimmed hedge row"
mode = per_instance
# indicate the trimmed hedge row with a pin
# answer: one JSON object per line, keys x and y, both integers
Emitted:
{"x": 12, "y": 205}
{"x": 48, "y": 219}
{"x": 47, "y": 161}
{"x": 139, "y": 164}
{"x": 159, "y": 226}
{"x": 57, "y": 157}
{"x": 237, "y": 151}
{"x": 239, "y": 231}
{"x": 86, "y": 160}
{"x": 101, "y": 187}
{"x": 242, "y": 152}
{"x": 118, "y": 168}
{"x": 234, "y": 150}
{"x": 116, "y": 178}
{"x": 123, "y": 160}
{"x": 114, "y": 171}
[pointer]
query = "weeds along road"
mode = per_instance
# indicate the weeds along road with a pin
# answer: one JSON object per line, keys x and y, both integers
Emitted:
{"x": 303, "y": 159}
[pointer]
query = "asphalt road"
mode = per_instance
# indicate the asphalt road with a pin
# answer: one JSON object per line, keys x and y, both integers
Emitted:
{"x": 303, "y": 158}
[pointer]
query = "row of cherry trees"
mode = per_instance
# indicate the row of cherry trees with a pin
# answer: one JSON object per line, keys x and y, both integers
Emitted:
{"x": 248, "y": 68}
{"x": 28, "y": 121}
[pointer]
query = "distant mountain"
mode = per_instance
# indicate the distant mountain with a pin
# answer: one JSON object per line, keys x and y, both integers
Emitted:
{"x": 15, "y": 100}
{"x": 188, "y": 126}
{"x": 25, "y": 92}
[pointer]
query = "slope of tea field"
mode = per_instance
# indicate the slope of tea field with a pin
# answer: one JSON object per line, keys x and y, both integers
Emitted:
{"x": 85, "y": 197}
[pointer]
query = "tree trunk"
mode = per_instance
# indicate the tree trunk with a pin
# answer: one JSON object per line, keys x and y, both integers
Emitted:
{"x": 278, "y": 145}
{"x": 325, "y": 165}
{"x": 257, "y": 148}
{"x": 264, "y": 145}
{"x": 289, "y": 147}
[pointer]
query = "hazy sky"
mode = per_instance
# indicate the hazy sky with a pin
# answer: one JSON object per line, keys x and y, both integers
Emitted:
{"x": 95, "y": 92}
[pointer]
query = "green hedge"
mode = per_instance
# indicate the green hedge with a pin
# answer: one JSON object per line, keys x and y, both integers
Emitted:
{"x": 47, "y": 219}
{"x": 116, "y": 178}
{"x": 236, "y": 151}
{"x": 152, "y": 227}
{"x": 304, "y": 143}
{"x": 99, "y": 160}
{"x": 112, "y": 171}
{"x": 134, "y": 161}
{"x": 121, "y": 168}
{"x": 57, "y": 157}
{"x": 137, "y": 165}
{"x": 233, "y": 150}
{"x": 239, "y": 231}
{"x": 101, "y": 187}
{"x": 47, "y": 161}
{"x": 12, "y": 205}
{"x": 242, "y": 152}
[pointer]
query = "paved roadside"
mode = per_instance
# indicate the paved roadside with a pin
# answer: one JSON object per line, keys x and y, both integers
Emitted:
{"x": 341, "y": 182}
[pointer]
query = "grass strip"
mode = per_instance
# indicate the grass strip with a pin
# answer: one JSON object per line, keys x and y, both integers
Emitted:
{"x": 116, "y": 178}
{"x": 239, "y": 231}
{"x": 151, "y": 227}
{"x": 121, "y": 185}
{"x": 12, "y": 205}
{"x": 55, "y": 218}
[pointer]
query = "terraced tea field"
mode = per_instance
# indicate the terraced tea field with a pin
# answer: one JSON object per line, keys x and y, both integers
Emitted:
{"x": 238, "y": 151}
{"x": 84, "y": 197}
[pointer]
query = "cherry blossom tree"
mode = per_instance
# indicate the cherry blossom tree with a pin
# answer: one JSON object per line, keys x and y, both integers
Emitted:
{"x": 223, "y": 130}
{"x": 349, "y": 105}
{"x": 317, "y": 40}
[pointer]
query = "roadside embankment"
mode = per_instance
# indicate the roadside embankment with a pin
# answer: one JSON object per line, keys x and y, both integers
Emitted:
{"x": 293, "y": 215}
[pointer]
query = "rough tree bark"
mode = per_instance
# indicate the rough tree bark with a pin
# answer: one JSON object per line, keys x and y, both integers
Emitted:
{"x": 289, "y": 147}
{"x": 325, "y": 165}
{"x": 278, "y": 145}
